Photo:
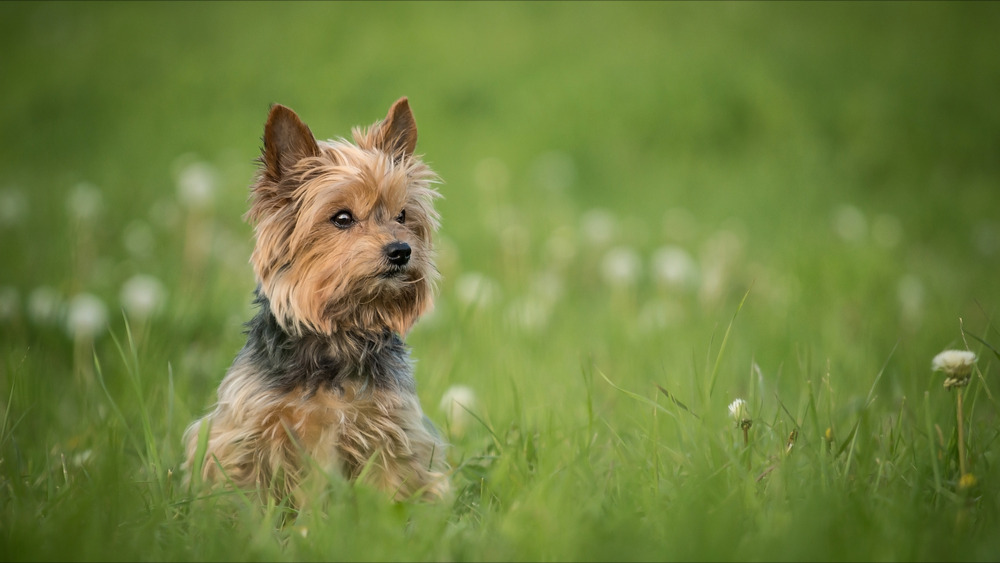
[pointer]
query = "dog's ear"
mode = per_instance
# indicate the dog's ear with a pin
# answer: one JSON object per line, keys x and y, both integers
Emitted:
{"x": 397, "y": 134}
{"x": 286, "y": 141}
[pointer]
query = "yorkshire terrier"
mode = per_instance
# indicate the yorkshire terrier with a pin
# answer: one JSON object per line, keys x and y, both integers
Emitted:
{"x": 344, "y": 266}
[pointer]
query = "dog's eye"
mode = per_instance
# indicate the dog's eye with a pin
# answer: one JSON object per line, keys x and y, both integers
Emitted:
{"x": 342, "y": 219}
{"x": 401, "y": 218}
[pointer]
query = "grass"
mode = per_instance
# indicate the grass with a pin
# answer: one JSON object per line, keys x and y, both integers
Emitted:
{"x": 650, "y": 210}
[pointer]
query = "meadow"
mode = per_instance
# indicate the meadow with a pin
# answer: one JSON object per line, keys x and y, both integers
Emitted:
{"x": 650, "y": 210}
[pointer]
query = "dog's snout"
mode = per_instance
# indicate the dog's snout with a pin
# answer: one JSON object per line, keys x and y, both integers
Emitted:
{"x": 398, "y": 253}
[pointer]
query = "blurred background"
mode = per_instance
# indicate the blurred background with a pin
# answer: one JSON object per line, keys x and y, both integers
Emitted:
{"x": 616, "y": 178}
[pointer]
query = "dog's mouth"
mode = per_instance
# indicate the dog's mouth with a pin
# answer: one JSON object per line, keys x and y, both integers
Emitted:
{"x": 393, "y": 272}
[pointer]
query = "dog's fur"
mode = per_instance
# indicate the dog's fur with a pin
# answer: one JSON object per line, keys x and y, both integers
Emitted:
{"x": 344, "y": 266}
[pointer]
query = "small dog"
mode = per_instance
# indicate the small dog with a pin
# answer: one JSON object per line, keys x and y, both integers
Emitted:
{"x": 344, "y": 266}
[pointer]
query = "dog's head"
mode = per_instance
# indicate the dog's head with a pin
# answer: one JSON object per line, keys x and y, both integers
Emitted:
{"x": 343, "y": 230}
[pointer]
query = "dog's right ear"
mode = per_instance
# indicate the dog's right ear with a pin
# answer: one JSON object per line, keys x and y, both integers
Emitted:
{"x": 286, "y": 141}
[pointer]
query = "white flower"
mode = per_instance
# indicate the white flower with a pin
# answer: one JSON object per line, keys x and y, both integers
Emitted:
{"x": 196, "y": 185}
{"x": 599, "y": 226}
{"x": 13, "y": 206}
{"x": 554, "y": 171}
{"x": 44, "y": 305}
{"x": 86, "y": 316}
{"x": 620, "y": 266}
{"x": 529, "y": 312}
{"x": 673, "y": 266}
{"x": 9, "y": 302}
{"x": 849, "y": 223}
{"x": 454, "y": 403}
{"x": 475, "y": 289}
{"x": 84, "y": 201}
{"x": 956, "y": 364}
{"x": 142, "y": 295}
{"x": 738, "y": 410}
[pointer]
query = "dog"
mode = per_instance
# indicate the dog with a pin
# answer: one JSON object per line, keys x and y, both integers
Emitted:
{"x": 344, "y": 265}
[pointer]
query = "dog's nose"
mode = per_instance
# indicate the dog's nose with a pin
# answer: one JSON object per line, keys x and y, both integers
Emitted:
{"x": 398, "y": 253}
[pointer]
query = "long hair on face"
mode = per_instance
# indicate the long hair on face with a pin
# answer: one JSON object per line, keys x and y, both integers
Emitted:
{"x": 323, "y": 281}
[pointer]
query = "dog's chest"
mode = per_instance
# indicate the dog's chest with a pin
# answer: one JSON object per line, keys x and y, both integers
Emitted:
{"x": 347, "y": 425}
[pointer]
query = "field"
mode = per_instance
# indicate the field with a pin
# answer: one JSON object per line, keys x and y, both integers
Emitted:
{"x": 650, "y": 210}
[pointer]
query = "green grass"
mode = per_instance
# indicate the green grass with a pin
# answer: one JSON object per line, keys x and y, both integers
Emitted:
{"x": 830, "y": 170}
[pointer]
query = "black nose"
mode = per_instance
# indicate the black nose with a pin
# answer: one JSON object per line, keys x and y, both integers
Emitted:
{"x": 398, "y": 253}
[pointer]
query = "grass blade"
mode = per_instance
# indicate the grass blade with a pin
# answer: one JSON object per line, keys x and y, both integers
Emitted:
{"x": 722, "y": 347}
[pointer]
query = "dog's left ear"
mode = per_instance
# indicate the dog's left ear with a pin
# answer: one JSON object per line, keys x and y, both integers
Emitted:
{"x": 286, "y": 141}
{"x": 397, "y": 134}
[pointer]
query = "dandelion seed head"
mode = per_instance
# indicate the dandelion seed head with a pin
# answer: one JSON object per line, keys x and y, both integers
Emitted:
{"x": 554, "y": 171}
{"x": 141, "y": 296}
{"x": 477, "y": 289}
{"x": 674, "y": 267}
{"x": 621, "y": 266}
{"x": 599, "y": 226}
{"x": 44, "y": 305}
{"x": 86, "y": 316}
{"x": 196, "y": 185}
{"x": 957, "y": 366}
{"x": 738, "y": 411}
{"x": 13, "y": 206}
{"x": 849, "y": 223}
{"x": 85, "y": 201}
{"x": 454, "y": 402}
{"x": 530, "y": 313}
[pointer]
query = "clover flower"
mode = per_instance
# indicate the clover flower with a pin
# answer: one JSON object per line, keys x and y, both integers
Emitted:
{"x": 957, "y": 366}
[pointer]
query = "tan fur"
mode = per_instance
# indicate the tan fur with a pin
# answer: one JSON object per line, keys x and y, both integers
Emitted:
{"x": 325, "y": 285}
{"x": 269, "y": 440}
